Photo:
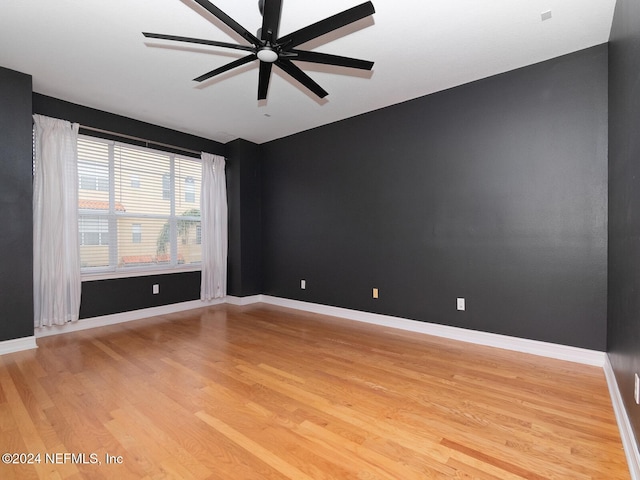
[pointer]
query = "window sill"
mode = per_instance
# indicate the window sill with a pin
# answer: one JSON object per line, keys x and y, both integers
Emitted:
{"x": 90, "y": 277}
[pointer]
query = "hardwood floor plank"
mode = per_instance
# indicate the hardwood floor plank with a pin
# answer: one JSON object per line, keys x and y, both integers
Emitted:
{"x": 252, "y": 447}
{"x": 263, "y": 392}
{"x": 517, "y": 468}
{"x": 469, "y": 471}
{"x": 29, "y": 433}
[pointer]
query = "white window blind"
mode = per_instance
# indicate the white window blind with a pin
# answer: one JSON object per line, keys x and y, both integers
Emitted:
{"x": 139, "y": 209}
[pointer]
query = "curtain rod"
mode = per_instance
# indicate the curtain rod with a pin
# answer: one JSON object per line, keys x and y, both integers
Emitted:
{"x": 138, "y": 139}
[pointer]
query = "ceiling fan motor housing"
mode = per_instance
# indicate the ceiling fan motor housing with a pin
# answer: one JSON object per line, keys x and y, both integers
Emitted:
{"x": 267, "y": 54}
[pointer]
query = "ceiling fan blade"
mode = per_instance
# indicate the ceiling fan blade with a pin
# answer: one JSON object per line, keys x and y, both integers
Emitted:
{"x": 299, "y": 75}
{"x": 327, "y": 25}
{"x": 200, "y": 41}
{"x": 325, "y": 58}
{"x": 226, "y": 68}
{"x": 230, "y": 22}
{"x": 265, "y": 76}
{"x": 271, "y": 20}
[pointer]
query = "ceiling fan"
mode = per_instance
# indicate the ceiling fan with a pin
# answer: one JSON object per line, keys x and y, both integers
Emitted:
{"x": 270, "y": 49}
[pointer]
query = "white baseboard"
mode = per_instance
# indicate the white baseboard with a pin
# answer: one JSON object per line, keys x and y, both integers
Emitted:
{"x": 243, "y": 301}
{"x": 552, "y": 350}
{"x": 624, "y": 425}
{"x": 115, "y": 318}
{"x": 561, "y": 352}
{"x": 18, "y": 344}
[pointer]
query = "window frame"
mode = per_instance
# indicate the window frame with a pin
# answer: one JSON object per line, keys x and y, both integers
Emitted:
{"x": 112, "y": 217}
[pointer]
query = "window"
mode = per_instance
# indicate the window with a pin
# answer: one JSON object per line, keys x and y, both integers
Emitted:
{"x": 94, "y": 231}
{"x": 93, "y": 176}
{"x": 166, "y": 186}
{"x": 120, "y": 187}
{"x": 189, "y": 190}
{"x": 136, "y": 233}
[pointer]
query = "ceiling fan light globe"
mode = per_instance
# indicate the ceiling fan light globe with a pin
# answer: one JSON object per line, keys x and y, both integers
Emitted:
{"x": 267, "y": 55}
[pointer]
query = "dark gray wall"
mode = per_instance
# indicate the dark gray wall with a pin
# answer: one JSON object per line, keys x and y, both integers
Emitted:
{"x": 117, "y": 295}
{"x": 624, "y": 201}
{"x": 85, "y": 116}
{"x": 495, "y": 191}
{"x": 16, "y": 237}
{"x": 243, "y": 178}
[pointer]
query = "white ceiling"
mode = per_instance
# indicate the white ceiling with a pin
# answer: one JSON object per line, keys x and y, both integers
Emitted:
{"x": 92, "y": 52}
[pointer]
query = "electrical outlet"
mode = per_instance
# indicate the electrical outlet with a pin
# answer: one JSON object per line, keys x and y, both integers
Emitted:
{"x": 303, "y": 284}
{"x": 636, "y": 390}
{"x": 156, "y": 289}
{"x": 460, "y": 303}
{"x": 375, "y": 293}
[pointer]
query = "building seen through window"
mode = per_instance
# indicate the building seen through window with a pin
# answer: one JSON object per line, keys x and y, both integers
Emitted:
{"x": 138, "y": 208}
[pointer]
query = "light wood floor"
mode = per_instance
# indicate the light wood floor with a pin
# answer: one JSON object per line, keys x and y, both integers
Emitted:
{"x": 261, "y": 392}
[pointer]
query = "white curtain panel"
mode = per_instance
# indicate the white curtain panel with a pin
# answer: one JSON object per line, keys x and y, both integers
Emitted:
{"x": 213, "y": 207}
{"x": 56, "y": 253}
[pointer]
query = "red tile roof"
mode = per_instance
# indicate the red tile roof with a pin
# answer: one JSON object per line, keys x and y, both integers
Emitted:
{"x": 135, "y": 259}
{"x": 166, "y": 258}
{"x": 146, "y": 259}
{"x": 99, "y": 205}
